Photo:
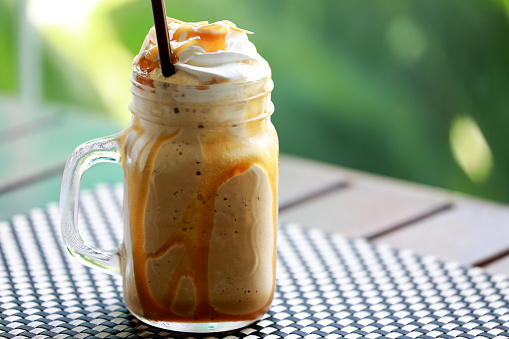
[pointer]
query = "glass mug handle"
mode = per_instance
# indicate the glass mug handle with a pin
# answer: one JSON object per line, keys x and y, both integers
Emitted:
{"x": 105, "y": 149}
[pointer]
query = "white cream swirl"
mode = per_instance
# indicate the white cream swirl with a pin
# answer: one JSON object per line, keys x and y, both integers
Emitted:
{"x": 216, "y": 52}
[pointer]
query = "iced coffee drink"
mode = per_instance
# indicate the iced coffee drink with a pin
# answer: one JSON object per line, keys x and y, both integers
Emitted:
{"x": 200, "y": 161}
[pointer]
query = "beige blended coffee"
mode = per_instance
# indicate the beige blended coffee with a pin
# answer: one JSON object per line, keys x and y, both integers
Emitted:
{"x": 200, "y": 160}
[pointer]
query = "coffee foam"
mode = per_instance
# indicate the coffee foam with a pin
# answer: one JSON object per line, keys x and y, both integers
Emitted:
{"x": 198, "y": 59}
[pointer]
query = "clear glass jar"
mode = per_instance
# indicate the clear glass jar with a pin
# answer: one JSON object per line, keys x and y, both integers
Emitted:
{"x": 200, "y": 204}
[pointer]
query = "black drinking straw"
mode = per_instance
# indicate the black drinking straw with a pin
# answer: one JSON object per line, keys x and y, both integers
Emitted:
{"x": 163, "y": 37}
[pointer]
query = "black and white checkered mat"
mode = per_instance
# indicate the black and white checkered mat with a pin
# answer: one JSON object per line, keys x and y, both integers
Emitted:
{"x": 327, "y": 287}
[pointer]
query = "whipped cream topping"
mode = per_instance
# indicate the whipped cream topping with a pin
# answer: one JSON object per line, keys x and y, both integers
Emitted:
{"x": 212, "y": 53}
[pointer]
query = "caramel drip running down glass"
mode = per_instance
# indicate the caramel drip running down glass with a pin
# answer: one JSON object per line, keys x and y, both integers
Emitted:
{"x": 200, "y": 206}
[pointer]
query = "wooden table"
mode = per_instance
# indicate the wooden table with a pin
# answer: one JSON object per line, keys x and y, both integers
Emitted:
{"x": 35, "y": 143}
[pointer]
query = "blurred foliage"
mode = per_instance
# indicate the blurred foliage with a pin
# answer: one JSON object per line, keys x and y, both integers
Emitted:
{"x": 67, "y": 86}
{"x": 8, "y": 51}
{"x": 371, "y": 85}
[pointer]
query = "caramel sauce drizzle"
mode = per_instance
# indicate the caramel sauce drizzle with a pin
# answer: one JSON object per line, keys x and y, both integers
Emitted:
{"x": 210, "y": 39}
{"x": 195, "y": 262}
{"x": 138, "y": 183}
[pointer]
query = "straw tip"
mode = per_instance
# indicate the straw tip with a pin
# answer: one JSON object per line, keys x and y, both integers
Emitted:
{"x": 163, "y": 37}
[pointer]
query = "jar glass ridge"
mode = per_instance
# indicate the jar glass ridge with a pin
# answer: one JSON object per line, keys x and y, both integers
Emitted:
{"x": 214, "y": 104}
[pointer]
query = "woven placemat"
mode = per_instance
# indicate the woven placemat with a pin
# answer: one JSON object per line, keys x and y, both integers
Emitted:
{"x": 328, "y": 286}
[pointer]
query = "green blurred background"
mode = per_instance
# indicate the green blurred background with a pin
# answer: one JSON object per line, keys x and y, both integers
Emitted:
{"x": 416, "y": 90}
